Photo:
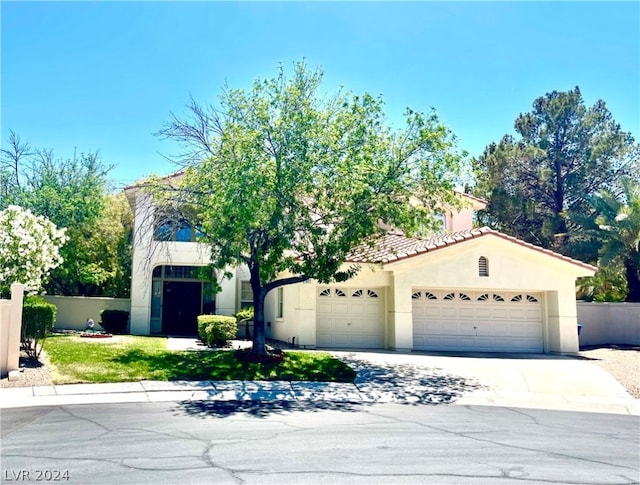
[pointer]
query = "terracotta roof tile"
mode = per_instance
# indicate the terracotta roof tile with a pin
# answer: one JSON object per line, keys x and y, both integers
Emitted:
{"x": 395, "y": 246}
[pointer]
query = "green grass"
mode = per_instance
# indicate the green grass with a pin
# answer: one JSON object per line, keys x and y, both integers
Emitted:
{"x": 131, "y": 358}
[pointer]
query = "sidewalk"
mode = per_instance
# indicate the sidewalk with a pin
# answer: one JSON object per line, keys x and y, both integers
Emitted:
{"x": 269, "y": 391}
{"x": 161, "y": 391}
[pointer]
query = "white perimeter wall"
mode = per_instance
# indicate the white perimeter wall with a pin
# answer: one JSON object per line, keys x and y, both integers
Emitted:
{"x": 74, "y": 311}
{"x": 609, "y": 323}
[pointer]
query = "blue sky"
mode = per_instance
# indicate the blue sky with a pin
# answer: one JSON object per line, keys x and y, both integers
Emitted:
{"x": 106, "y": 75}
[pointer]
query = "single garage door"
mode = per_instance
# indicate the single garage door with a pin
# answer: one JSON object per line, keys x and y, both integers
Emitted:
{"x": 487, "y": 321}
{"x": 350, "y": 317}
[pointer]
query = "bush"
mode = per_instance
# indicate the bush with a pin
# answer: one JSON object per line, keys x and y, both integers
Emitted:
{"x": 114, "y": 321}
{"x": 216, "y": 329}
{"x": 245, "y": 316}
{"x": 38, "y": 318}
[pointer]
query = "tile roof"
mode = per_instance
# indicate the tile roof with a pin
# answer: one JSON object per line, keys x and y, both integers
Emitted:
{"x": 394, "y": 246}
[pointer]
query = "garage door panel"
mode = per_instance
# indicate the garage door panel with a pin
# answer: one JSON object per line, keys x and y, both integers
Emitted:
{"x": 483, "y": 312}
{"x": 465, "y": 328}
{"x": 324, "y": 307}
{"x": 466, "y": 312}
{"x": 434, "y": 311}
{"x": 494, "y": 321}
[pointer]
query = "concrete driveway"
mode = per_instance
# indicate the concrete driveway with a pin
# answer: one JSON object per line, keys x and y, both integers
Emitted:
{"x": 514, "y": 380}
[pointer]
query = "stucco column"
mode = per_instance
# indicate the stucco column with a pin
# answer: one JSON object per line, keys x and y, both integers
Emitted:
{"x": 307, "y": 315}
{"x": 141, "y": 266}
{"x": 400, "y": 334}
{"x": 15, "y": 326}
{"x": 562, "y": 321}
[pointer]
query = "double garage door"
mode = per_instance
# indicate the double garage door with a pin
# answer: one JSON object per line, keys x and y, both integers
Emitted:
{"x": 487, "y": 321}
{"x": 447, "y": 320}
{"x": 350, "y": 317}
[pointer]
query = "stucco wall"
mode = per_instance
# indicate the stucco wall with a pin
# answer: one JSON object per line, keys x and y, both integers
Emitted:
{"x": 609, "y": 323}
{"x": 74, "y": 311}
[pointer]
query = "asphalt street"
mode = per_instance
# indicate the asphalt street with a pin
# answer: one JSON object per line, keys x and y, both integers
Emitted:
{"x": 195, "y": 442}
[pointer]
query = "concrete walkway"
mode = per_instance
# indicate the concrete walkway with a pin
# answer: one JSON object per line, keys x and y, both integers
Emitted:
{"x": 520, "y": 381}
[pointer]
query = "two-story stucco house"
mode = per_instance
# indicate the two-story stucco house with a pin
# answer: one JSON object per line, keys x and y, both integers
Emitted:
{"x": 468, "y": 289}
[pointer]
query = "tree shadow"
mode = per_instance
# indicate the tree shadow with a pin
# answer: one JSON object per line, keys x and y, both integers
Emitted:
{"x": 409, "y": 383}
{"x": 375, "y": 383}
{"x": 262, "y": 409}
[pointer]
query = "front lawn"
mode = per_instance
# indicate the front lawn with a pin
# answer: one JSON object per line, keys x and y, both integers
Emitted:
{"x": 126, "y": 358}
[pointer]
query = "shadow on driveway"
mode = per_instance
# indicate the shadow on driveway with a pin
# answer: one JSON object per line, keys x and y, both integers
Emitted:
{"x": 375, "y": 382}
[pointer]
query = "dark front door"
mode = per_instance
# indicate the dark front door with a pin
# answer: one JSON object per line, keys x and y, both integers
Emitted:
{"x": 180, "y": 307}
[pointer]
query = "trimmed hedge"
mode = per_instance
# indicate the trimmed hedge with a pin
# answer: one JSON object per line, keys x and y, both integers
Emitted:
{"x": 38, "y": 318}
{"x": 114, "y": 321}
{"x": 216, "y": 329}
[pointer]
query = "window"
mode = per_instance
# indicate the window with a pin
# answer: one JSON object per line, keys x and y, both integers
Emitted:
{"x": 464, "y": 297}
{"x": 156, "y": 298}
{"x": 280, "y": 303}
{"x": 181, "y": 272}
{"x": 325, "y": 292}
{"x": 357, "y": 294}
{"x": 372, "y": 294}
{"x": 417, "y": 295}
{"x": 340, "y": 292}
{"x": 450, "y": 296}
{"x": 246, "y": 295}
{"x": 483, "y": 266}
{"x": 430, "y": 296}
{"x": 174, "y": 230}
{"x": 532, "y": 299}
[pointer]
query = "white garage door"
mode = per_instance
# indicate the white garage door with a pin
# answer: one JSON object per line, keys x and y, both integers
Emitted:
{"x": 488, "y": 321}
{"x": 350, "y": 317}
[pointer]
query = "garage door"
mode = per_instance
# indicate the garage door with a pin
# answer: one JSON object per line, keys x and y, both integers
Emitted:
{"x": 488, "y": 321}
{"x": 350, "y": 317}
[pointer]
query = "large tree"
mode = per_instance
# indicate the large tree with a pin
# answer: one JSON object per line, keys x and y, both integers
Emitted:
{"x": 563, "y": 154}
{"x": 73, "y": 194}
{"x": 288, "y": 180}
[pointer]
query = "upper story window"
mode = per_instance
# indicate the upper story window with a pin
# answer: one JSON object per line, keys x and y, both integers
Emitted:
{"x": 438, "y": 227}
{"x": 180, "y": 231}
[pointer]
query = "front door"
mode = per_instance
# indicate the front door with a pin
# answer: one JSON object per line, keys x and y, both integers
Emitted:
{"x": 181, "y": 305}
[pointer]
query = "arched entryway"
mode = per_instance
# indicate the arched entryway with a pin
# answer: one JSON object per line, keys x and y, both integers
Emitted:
{"x": 179, "y": 295}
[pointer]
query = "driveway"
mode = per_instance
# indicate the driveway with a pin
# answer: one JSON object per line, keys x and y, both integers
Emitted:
{"x": 514, "y": 380}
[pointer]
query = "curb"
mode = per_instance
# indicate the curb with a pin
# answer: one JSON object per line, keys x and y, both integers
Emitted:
{"x": 296, "y": 391}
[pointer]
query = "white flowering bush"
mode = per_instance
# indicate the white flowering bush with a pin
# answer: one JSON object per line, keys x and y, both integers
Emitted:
{"x": 29, "y": 249}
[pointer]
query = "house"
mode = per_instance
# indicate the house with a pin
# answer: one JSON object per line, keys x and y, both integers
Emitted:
{"x": 468, "y": 289}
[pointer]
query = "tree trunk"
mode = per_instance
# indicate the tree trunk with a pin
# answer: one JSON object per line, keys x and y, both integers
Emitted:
{"x": 633, "y": 279}
{"x": 259, "y": 339}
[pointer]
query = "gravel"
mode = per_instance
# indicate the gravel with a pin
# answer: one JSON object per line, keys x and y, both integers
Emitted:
{"x": 622, "y": 362}
{"x": 32, "y": 372}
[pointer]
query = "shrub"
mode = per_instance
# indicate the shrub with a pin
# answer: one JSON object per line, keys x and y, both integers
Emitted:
{"x": 216, "y": 329}
{"x": 245, "y": 316}
{"x": 38, "y": 318}
{"x": 114, "y": 321}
